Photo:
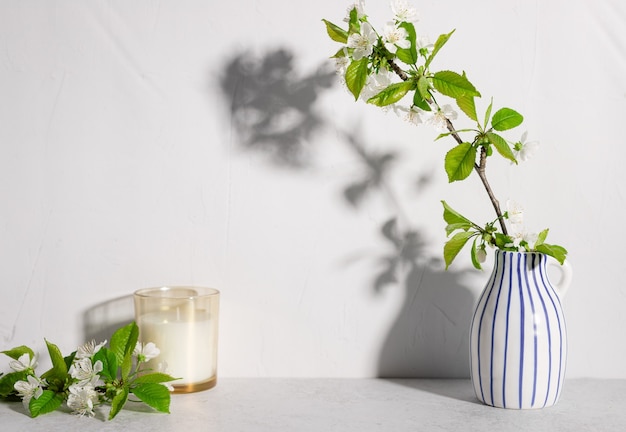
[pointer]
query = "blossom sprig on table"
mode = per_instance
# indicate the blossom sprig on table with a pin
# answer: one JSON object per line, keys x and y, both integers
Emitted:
{"x": 90, "y": 377}
{"x": 393, "y": 70}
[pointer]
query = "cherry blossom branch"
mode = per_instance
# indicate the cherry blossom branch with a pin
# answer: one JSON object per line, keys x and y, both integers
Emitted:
{"x": 479, "y": 167}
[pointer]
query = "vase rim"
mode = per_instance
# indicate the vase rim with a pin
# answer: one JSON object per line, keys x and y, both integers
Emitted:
{"x": 518, "y": 252}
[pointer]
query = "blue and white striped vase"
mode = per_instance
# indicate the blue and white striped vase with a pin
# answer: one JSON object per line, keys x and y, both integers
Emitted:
{"x": 518, "y": 338}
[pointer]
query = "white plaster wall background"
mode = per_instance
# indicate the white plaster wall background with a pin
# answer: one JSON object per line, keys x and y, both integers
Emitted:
{"x": 121, "y": 167}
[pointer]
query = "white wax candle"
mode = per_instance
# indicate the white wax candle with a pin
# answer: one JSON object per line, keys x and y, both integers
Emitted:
{"x": 185, "y": 339}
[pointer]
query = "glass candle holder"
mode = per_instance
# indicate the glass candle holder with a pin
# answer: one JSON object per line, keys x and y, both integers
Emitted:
{"x": 183, "y": 323}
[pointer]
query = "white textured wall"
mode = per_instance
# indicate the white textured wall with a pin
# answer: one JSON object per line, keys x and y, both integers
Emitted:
{"x": 123, "y": 166}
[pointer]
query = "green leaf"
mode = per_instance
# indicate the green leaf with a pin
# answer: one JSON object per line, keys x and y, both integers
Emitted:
{"x": 441, "y": 41}
{"x": 122, "y": 344}
{"x": 502, "y": 146}
{"x": 354, "y": 24}
{"x": 69, "y": 359}
{"x": 505, "y": 119}
{"x": 154, "y": 378}
{"x": 452, "y": 248}
{"x": 155, "y": 395}
{"x": 342, "y": 52}
{"x": 446, "y": 134}
{"x": 48, "y": 401}
{"x": 17, "y": 352}
{"x": 455, "y": 220}
{"x": 408, "y": 55}
{"x": 475, "y": 261}
{"x": 118, "y": 402}
{"x": 57, "y": 375}
{"x": 557, "y": 252}
{"x": 423, "y": 88}
{"x": 451, "y": 216}
{"x": 356, "y": 76}
{"x": 460, "y": 162}
{"x": 467, "y": 105}
{"x": 454, "y": 85}
{"x": 419, "y": 102}
{"x": 392, "y": 93}
{"x": 488, "y": 113}
{"x": 109, "y": 362}
{"x": 541, "y": 237}
{"x": 501, "y": 240}
{"x": 8, "y": 381}
{"x": 335, "y": 32}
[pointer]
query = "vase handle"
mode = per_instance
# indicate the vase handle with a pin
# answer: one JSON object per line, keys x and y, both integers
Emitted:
{"x": 566, "y": 277}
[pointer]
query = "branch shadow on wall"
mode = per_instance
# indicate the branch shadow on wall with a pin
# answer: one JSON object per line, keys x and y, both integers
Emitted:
{"x": 273, "y": 110}
{"x": 430, "y": 336}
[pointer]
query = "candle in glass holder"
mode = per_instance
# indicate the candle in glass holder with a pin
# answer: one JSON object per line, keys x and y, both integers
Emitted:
{"x": 183, "y": 323}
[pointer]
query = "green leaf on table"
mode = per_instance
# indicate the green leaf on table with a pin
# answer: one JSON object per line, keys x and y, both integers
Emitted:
{"x": 153, "y": 378}
{"x": 122, "y": 345}
{"x": 453, "y": 84}
{"x": 8, "y": 381}
{"x": 155, "y": 395}
{"x": 502, "y": 146}
{"x": 17, "y": 352}
{"x": 109, "y": 362}
{"x": 408, "y": 55}
{"x": 392, "y": 93}
{"x": 335, "y": 32}
{"x": 118, "y": 402}
{"x": 356, "y": 76}
{"x": 439, "y": 43}
{"x": 505, "y": 119}
{"x": 459, "y": 162}
{"x": 453, "y": 246}
{"x": 48, "y": 401}
{"x": 58, "y": 373}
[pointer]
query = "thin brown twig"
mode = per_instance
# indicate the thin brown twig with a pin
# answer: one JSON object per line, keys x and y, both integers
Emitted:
{"x": 480, "y": 167}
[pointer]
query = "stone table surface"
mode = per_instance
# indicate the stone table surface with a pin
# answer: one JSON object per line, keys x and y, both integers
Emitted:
{"x": 346, "y": 405}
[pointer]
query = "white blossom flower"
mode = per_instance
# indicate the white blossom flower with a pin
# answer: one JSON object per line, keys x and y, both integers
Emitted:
{"x": 146, "y": 352}
{"x": 86, "y": 372}
{"x": 359, "y": 5}
{"x": 376, "y": 83}
{"x": 522, "y": 236}
{"x": 29, "y": 389}
{"x": 439, "y": 119}
{"x": 411, "y": 115}
{"x": 82, "y": 399}
{"x": 363, "y": 43}
{"x": 403, "y": 11}
{"x": 89, "y": 349}
{"x": 423, "y": 44}
{"x": 524, "y": 150}
{"x": 395, "y": 37}
{"x": 341, "y": 63}
{"x": 516, "y": 214}
{"x": 24, "y": 362}
{"x": 162, "y": 368}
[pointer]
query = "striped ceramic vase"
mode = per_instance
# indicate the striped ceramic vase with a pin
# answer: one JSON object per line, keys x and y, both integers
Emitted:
{"x": 518, "y": 340}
